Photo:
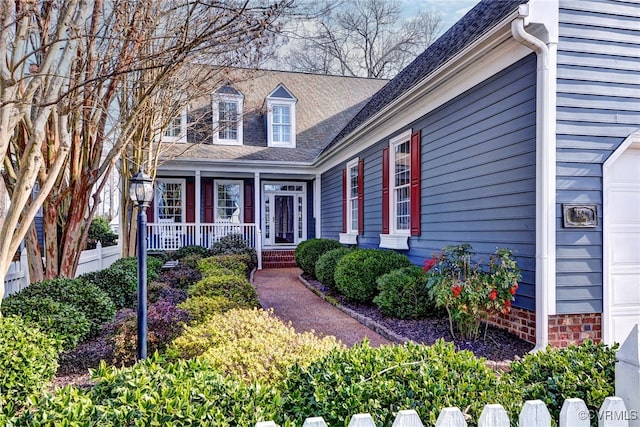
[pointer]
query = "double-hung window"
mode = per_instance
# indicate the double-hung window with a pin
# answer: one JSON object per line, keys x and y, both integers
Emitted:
{"x": 169, "y": 200}
{"x": 176, "y": 128}
{"x": 352, "y": 202}
{"x": 281, "y": 118}
{"x": 227, "y": 116}
{"x": 401, "y": 186}
{"x": 228, "y": 201}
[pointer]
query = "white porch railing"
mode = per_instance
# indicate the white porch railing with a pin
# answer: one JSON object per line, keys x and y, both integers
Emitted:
{"x": 170, "y": 236}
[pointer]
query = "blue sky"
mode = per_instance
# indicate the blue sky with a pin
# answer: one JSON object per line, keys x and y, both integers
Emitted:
{"x": 450, "y": 10}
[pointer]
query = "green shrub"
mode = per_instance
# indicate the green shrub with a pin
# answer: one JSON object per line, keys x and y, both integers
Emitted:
{"x": 185, "y": 251}
{"x": 130, "y": 264}
{"x": 118, "y": 282}
{"x": 232, "y": 286}
{"x": 56, "y": 319}
{"x": 28, "y": 360}
{"x": 100, "y": 231}
{"x": 235, "y": 244}
{"x": 92, "y": 301}
{"x": 403, "y": 293}
{"x": 153, "y": 393}
{"x": 237, "y": 263}
{"x": 382, "y": 381}
{"x": 199, "y": 308}
{"x": 326, "y": 265}
{"x": 191, "y": 260}
{"x": 586, "y": 372}
{"x": 251, "y": 344}
{"x": 308, "y": 252}
{"x": 356, "y": 272}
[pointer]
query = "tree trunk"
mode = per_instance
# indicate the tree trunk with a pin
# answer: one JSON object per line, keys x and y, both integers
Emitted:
{"x": 34, "y": 255}
{"x": 50, "y": 224}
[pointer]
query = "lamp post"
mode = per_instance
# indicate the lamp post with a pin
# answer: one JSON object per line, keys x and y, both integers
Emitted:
{"x": 141, "y": 193}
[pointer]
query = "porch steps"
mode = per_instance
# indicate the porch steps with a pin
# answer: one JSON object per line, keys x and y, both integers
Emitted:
{"x": 278, "y": 259}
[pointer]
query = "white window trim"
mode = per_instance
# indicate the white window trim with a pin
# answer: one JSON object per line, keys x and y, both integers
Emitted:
{"x": 183, "y": 193}
{"x": 223, "y": 97}
{"x": 351, "y": 236}
{"x": 291, "y": 103}
{"x": 217, "y": 182}
{"x": 183, "y": 130}
{"x": 396, "y": 239}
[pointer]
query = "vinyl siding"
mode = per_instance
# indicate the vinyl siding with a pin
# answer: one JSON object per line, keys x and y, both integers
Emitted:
{"x": 478, "y": 175}
{"x": 598, "y": 106}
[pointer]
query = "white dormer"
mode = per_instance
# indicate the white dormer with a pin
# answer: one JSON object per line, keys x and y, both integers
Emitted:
{"x": 227, "y": 116}
{"x": 176, "y": 129}
{"x": 281, "y": 118}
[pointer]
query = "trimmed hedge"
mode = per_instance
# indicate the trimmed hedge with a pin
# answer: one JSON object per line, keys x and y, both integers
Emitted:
{"x": 200, "y": 308}
{"x": 87, "y": 297}
{"x": 185, "y": 251}
{"x": 236, "y": 263}
{"x": 356, "y": 272}
{"x": 153, "y": 393}
{"x": 61, "y": 321}
{"x": 232, "y": 244}
{"x": 308, "y": 252}
{"x": 253, "y": 345}
{"x": 586, "y": 371}
{"x": 231, "y": 286}
{"x": 384, "y": 380}
{"x": 28, "y": 360}
{"x": 119, "y": 283}
{"x": 404, "y": 293}
{"x": 327, "y": 263}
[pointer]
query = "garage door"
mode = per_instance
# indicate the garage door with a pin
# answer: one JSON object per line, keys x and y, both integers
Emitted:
{"x": 622, "y": 244}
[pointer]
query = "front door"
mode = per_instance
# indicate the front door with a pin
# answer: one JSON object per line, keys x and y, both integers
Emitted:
{"x": 283, "y": 214}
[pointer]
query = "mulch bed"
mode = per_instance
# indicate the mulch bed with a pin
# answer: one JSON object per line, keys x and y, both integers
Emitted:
{"x": 498, "y": 346}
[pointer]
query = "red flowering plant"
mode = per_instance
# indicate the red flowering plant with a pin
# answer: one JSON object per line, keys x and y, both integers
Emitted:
{"x": 469, "y": 292}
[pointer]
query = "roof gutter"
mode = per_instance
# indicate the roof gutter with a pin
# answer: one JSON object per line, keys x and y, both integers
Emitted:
{"x": 545, "y": 154}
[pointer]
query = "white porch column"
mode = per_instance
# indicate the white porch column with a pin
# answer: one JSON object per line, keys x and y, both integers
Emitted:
{"x": 197, "y": 208}
{"x": 317, "y": 204}
{"x": 256, "y": 217}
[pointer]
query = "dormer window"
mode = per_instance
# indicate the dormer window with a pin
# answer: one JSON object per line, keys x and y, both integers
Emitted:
{"x": 176, "y": 129}
{"x": 281, "y": 118}
{"x": 227, "y": 116}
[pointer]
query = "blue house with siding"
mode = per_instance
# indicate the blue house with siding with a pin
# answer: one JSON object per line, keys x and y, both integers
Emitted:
{"x": 518, "y": 128}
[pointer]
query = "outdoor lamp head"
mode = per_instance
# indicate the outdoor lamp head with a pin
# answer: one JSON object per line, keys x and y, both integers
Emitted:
{"x": 141, "y": 189}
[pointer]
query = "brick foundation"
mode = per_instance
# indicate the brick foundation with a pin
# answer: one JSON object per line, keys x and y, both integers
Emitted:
{"x": 564, "y": 329}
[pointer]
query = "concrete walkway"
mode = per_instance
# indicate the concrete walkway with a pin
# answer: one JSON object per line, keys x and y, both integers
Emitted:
{"x": 280, "y": 289}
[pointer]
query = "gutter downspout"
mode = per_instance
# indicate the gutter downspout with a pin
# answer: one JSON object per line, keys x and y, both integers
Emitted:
{"x": 545, "y": 174}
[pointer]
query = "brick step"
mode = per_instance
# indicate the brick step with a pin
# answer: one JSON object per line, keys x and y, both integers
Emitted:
{"x": 278, "y": 259}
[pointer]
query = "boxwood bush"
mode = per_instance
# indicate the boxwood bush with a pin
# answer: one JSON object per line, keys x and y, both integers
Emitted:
{"x": 154, "y": 265}
{"x": 253, "y": 345}
{"x": 184, "y": 251}
{"x": 28, "y": 360}
{"x": 59, "y": 320}
{"x": 326, "y": 265}
{"x": 118, "y": 282}
{"x": 384, "y": 380}
{"x": 356, "y": 272}
{"x": 308, "y": 252}
{"x": 232, "y": 286}
{"x": 586, "y": 371}
{"x": 92, "y": 301}
{"x": 199, "y": 308}
{"x": 235, "y": 244}
{"x": 404, "y": 293}
{"x": 153, "y": 393}
{"x": 237, "y": 263}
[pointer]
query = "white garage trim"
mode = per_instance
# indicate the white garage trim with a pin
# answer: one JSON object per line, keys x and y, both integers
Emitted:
{"x": 607, "y": 170}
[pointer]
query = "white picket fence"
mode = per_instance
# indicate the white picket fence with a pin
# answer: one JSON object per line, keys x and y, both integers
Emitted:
{"x": 17, "y": 277}
{"x": 620, "y": 411}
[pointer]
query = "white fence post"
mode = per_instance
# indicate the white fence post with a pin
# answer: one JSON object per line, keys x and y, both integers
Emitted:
{"x": 534, "y": 414}
{"x": 451, "y": 417}
{"x": 493, "y": 416}
{"x": 613, "y": 413}
{"x": 314, "y": 422}
{"x": 628, "y": 375}
{"x": 407, "y": 418}
{"x": 266, "y": 424}
{"x": 99, "y": 254}
{"x": 361, "y": 420}
{"x": 25, "y": 280}
{"x": 574, "y": 413}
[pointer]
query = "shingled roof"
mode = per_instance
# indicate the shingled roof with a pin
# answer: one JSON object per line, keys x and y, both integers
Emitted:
{"x": 476, "y": 22}
{"x": 325, "y": 104}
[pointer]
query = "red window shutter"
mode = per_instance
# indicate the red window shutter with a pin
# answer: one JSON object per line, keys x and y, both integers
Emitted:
{"x": 151, "y": 210}
{"x": 208, "y": 201}
{"x": 344, "y": 200}
{"x": 385, "y": 191}
{"x": 416, "y": 183}
{"x": 361, "y": 196}
{"x": 191, "y": 202}
{"x": 249, "y": 216}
